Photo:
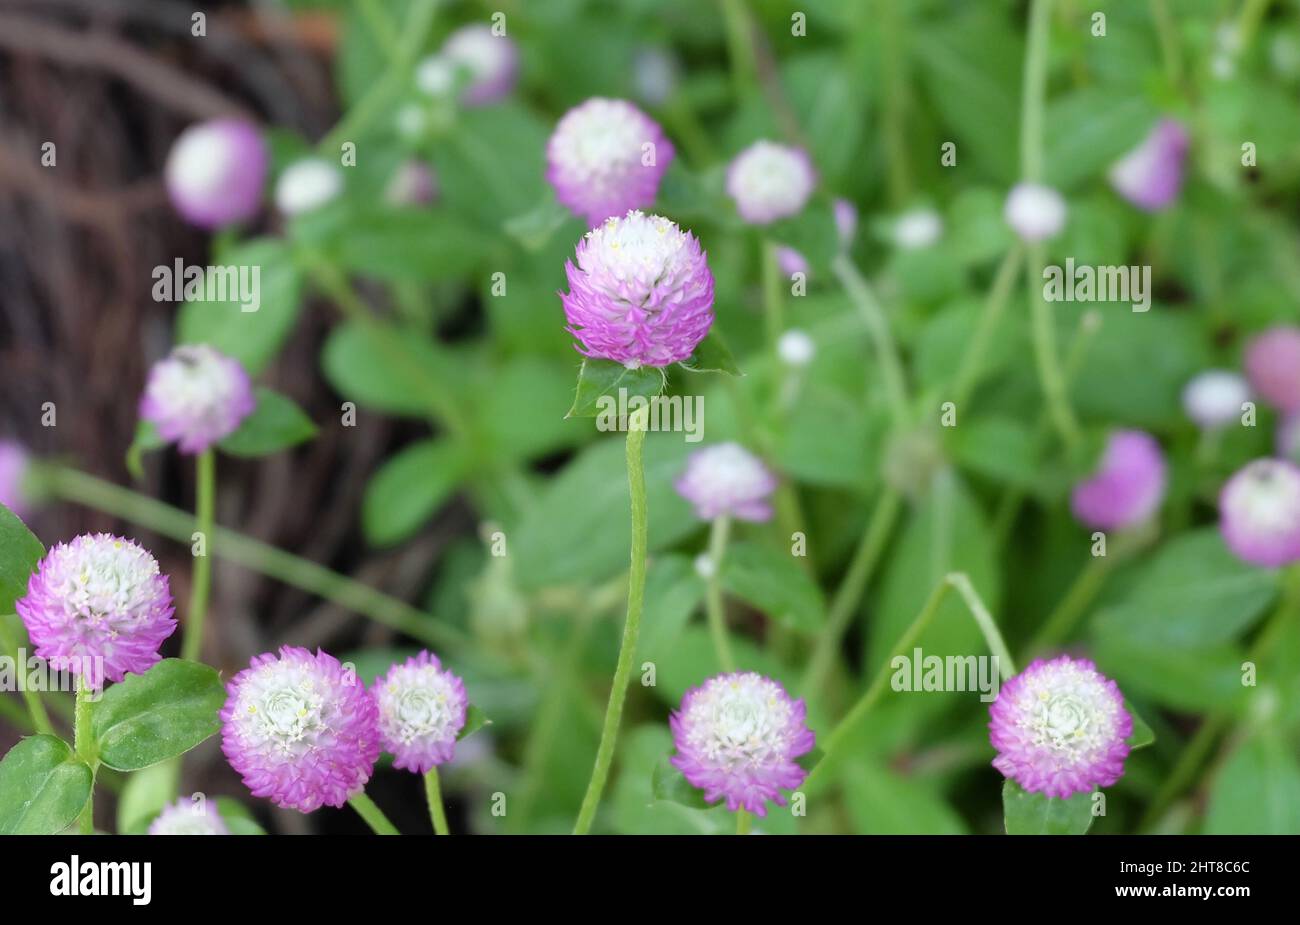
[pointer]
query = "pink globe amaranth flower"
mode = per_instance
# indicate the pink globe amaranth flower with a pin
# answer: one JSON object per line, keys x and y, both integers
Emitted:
{"x": 413, "y": 184}
{"x": 1128, "y": 486}
{"x": 1288, "y": 438}
{"x": 1213, "y": 399}
{"x": 727, "y": 480}
{"x": 605, "y": 158}
{"x": 770, "y": 181}
{"x": 490, "y": 61}
{"x": 737, "y": 737}
{"x": 98, "y": 604}
{"x": 186, "y": 818}
{"x": 1035, "y": 212}
{"x": 307, "y": 185}
{"x": 216, "y": 172}
{"x": 1151, "y": 175}
{"x": 14, "y": 460}
{"x": 1273, "y": 366}
{"x": 1060, "y": 728}
{"x": 301, "y": 730}
{"x": 196, "y": 396}
{"x": 846, "y": 220}
{"x": 641, "y": 293}
{"x": 1259, "y": 512}
{"x": 791, "y": 261}
{"x": 422, "y": 708}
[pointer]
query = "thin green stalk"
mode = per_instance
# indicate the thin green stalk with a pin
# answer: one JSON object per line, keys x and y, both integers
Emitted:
{"x": 1167, "y": 32}
{"x": 1034, "y": 90}
{"x": 637, "y": 423}
{"x": 83, "y": 743}
{"x": 433, "y": 794}
{"x": 744, "y": 822}
{"x": 833, "y": 751}
{"x": 372, "y": 814}
{"x": 1082, "y": 592}
{"x": 849, "y": 594}
{"x": 40, "y": 718}
{"x": 893, "y": 61}
{"x": 73, "y": 485}
{"x": 1051, "y": 375}
{"x": 713, "y": 593}
{"x": 740, "y": 47}
{"x": 204, "y": 513}
{"x": 772, "y": 302}
{"x": 891, "y": 367}
{"x": 972, "y": 362}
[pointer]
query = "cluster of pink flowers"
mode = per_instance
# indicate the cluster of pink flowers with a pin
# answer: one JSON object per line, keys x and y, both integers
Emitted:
{"x": 304, "y": 731}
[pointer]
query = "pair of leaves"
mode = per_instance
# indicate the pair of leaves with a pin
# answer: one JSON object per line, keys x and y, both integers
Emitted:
{"x": 600, "y": 382}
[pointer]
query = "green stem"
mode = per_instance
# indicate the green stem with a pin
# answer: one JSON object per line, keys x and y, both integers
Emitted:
{"x": 958, "y": 581}
{"x": 1167, "y": 32}
{"x": 83, "y": 743}
{"x": 1050, "y": 373}
{"x": 372, "y": 814}
{"x": 1087, "y": 585}
{"x": 972, "y": 362}
{"x": 893, "y": 60}
{"x": 849, "y": 594}
{"x": 744, "y": 822}
{"x": 772, "y": 307}
{"x": 433, "y": 794}
{"x": 891, "y": 367}
{"x": 637, "y": 423}
{"x": 204, "y": 512}
{"x": 73, "y": 485}
{"x": 740, "y": 48}
{"x": 713, "y": 593}
{"x": 40, "y": 718}
{"x": 1034, "y": 91}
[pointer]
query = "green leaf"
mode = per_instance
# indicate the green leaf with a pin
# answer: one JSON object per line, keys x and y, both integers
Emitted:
{"x": 771, "y": 581}
{"x": 144, "y": 796}
{"x": 146, "y": 440}
{"x": 160, "y": 714}
{"x": 533, "y": 229}
{"x": 418, "y": 245}
{"x": 43, "y": 787}
{"x": 1088, "y": 129}
{"x": 580, "y": 528}
{"x": 475, "y": 719}
{"x": 1142, "y": 734}
{"x": 252, "y": 337}
{"x": 884, "y": 802}
{"x": 1036, "y": 814}
{"x": 712, "y": 356}
{"x": 388, "y": 368}
{"x": 408, "y": 488}
{"x": 237, "y": 817}
{"x": 276, "y": 424}
{"x": 667, "y": 783}
{"x": 601, "y": 381}
{"x": 20, "y": 553}
{"x": 672, "y": 592}
{"x": 1258, "y": 790}
{"x": 1001, "y": 448}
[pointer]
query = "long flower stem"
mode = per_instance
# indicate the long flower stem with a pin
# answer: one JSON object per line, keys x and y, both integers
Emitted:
{"x": 891, "y": 367}
{"x": 433, "y": 794}
{"x": 40, "y": 718}
{"x": 957, "y": 581}
{"x": 1034, "y": 90}
{"x": 204, "y": 513}
{"x": 744, "y": 822}
{"x": 372, "y": 814}
{"x": 1051, "y": 376}
{"x": 637, "y": 423}
{"x": 849, "y": 594}
{"x": 772, "y": 302}
{"x": 83, "y": 743}
{"x": 73, "y": 485}
{"x": 713, "y": 593}
{"x": 972, "y": 362}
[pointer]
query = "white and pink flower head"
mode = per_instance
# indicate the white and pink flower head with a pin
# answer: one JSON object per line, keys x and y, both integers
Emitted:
{"x": 485, "y": 64}
{"x": 1060, "y": 728}
{"x": 770, "y": 181}
{"x": 188, "y": 818}
{"x": 1151, "y": 175}
{"x": 216, "y": 172}
{"x": 737, "y": 737}
{"x": 605, "y": 158}
{"x": 98, "y": 603}
{"x": 1259, "y": 512}
{"x": 14, "y": 462}
{"x": 1273, "y": 367}
{"x": 640, "y": 293}
{"x": 1213, "y": 399}
{"x": 300, "y": 729}
{"x": 726, "y": 480}
{"x": 1127, "y": 487}
{"x": 422, "y": 709}
{"x": 196, "y": 396}
{"x": 1035, "y": 212}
